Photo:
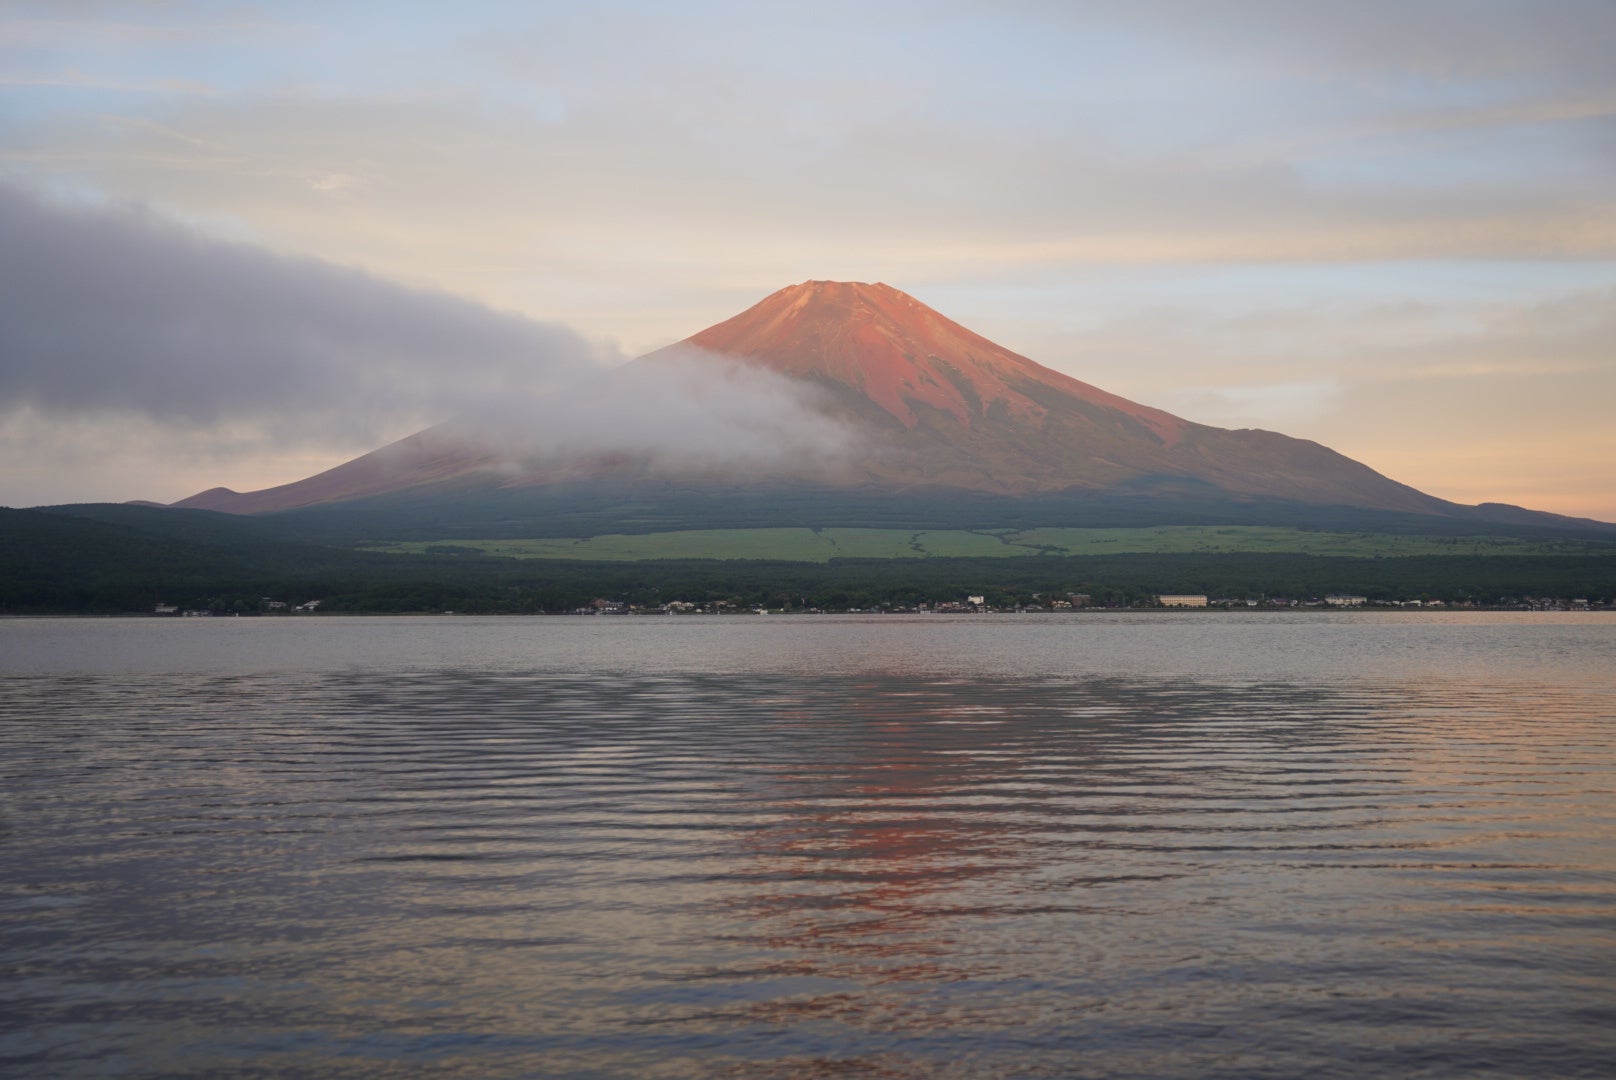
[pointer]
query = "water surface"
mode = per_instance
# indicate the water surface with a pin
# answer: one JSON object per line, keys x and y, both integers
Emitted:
{"x": 1340, "y": 844}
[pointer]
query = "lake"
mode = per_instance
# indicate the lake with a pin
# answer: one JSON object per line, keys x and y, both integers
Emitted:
{"x": 1171, "y": 844}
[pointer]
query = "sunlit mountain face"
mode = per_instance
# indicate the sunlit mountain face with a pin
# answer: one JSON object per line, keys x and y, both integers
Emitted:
{"x": 851, "y": 386}
{"x": 945, "y": 406}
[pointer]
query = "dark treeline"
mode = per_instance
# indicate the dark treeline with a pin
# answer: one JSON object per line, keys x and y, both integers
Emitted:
{"x": 449, "y": 511}
{"x": 57, "y": 563}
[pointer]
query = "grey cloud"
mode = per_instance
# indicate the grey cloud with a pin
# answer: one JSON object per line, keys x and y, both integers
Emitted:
{"x": 113, "y": 308}
{"x": 112, "y": 312}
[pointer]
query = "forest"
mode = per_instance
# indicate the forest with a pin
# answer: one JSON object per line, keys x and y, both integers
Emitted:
{"x": 130, "y": 562}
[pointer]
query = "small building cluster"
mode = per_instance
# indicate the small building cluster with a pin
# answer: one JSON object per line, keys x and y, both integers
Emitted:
{"x": 265, "y": 605}
{"x": 980, "y": 603}
{"x": 971, "y": 603}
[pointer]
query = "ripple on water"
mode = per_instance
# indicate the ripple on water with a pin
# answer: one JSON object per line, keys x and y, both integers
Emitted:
{"x": 784, "y": 874}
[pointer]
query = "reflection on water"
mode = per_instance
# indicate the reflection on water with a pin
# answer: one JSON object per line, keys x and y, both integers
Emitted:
{"x": 875, "y": 872}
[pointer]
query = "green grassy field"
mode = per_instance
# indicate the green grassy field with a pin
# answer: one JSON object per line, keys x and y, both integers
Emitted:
{"x": 822, "y": 545}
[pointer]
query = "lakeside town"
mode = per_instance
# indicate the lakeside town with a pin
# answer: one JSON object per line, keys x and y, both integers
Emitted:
{"x": 974, "y": 604}
{"x": 979, "y": 604}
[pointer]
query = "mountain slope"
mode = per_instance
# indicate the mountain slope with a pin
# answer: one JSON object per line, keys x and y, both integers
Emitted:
{"x": 960, "y": 411}
{"x": 425, "y": 458}
{"x": 901, "y": 355}
{"x": 936, "y": 407}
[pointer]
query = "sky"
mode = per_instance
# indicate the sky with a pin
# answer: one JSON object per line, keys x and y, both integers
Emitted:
{"x": 240, "y": 244}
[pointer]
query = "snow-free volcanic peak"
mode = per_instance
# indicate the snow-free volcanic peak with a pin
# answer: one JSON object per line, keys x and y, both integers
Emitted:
{"x": 931, "y": 406}
{"x": 973, "y": 415}
{"x": 900, "y": 354}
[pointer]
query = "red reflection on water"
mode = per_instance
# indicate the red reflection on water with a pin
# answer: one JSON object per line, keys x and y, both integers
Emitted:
{"x": 873, "y": 849}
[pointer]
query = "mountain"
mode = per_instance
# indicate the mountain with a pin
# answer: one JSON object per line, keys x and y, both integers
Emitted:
{"x": 939, "y": 413}
{"x": 421, "y": 460}
{"x": 956, "y": 410}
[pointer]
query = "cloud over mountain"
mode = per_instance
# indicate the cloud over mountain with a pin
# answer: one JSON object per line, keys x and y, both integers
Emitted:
{"x": 112, "y": 315}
